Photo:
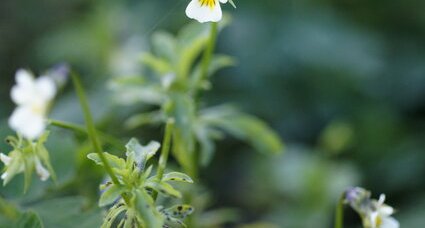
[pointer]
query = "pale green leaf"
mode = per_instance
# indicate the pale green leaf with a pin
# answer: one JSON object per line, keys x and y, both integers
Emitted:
{"x": 177, "y": 176}
{"x": 146, "y": 209}
{"x": 110, "y": 195}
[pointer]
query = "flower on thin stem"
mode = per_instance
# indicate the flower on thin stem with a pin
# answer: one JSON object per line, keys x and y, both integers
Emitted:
{"x": 32, "y": 97}
{"x": 205, "y": 10}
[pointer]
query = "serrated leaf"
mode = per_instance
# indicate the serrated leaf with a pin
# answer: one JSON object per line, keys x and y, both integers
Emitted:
{"x": 146, "y": 209}
{"x": 163, "y": 188}
{"x": 114, "y": 161}
{"x": 111, "y": 194}
{"x": 177, "y": 176}
{"x": 29, "y": 219}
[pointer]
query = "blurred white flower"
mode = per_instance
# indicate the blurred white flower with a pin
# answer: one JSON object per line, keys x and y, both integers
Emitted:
{"x": 380, "y": 215}
{"x": 374, "y": 213}
{"x": 32, "y": 97}
{"x": 205, "y": 10}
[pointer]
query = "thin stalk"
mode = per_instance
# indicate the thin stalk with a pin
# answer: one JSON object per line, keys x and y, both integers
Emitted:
{"x": 206, "y": 58}
{"x": 92, "y": 133}
{"x": 165, "y": 151}
{"x": 339, "y": 213}
{"x": 106, "y": 138}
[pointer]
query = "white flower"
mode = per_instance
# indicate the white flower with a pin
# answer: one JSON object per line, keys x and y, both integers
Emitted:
{"x": 205, "y": 10}
{"x": 32, "y": 96}
{"x": 380, "y": 215}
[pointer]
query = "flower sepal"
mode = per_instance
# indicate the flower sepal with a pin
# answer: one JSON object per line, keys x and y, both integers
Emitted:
{"x": 25, "y": 157}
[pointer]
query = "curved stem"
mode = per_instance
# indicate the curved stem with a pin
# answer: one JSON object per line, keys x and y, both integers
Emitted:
{"x": 91, "y": 131}
{"x": 165, "y": 150}
{"x": 339, "y": 213}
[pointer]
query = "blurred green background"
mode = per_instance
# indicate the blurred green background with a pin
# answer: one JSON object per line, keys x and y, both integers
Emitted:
{"x": 343, "y": 82}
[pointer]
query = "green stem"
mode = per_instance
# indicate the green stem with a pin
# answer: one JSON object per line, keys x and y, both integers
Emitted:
{"x": 339, "y": 213}
{"x": 91, "y": 131}
{"x": 82, "y": 130}
{"x": 206, "y": 58}
{"x": 165, "y": 150}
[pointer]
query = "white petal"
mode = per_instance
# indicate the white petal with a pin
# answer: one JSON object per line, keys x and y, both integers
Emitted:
{"x": 42, "y": 172}
{"x": 386, "y": 210}
{"x": 389, "y": 222}
{"x": 45, "y": 88}
{"x": 381, "y": 199}
{"x": 4, "y": 176}
{"x": 27, "y": 122}
{"x": 223, "y": 1}
{"x": 203, "y": 13}
{"x": 23, "y": 92}
{"x": 5, "y": 159}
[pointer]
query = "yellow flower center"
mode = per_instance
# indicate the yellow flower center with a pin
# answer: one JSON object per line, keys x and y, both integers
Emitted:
{"x": 378, "y": 221}
{"x": 209, "y": 3}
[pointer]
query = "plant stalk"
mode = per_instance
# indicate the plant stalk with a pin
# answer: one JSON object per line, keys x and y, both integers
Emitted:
{"x": 92, "y": 133}
{"x": 165, "y": 151}
{"x": 339, "y": 213}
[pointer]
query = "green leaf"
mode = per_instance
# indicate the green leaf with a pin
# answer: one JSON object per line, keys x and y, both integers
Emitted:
{"x": 205, "y": 138}
{"x": 246, "y": 127}
{"x": 112, "y": 214}
{"x": 114, "y": 161}
{"x": 163, "y": 188}
{"x": 110, "y": 195}
{"x": 142, "y": 119}
{"x": 217, "y": 63}
{"x": 159, "y": 65}
{"x": 179, "y": 211}
{"x": 29, "y": 220}
{"x": 146, "y": 210}
{"x": 164, "y": 45}
{"x": 192, "y": 40}
{"x": 177, "y": 176}
{"x": 130, "y": 90}
{"x": 182, "y": 110}
{"x": 141, "y": 153}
